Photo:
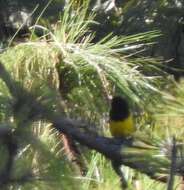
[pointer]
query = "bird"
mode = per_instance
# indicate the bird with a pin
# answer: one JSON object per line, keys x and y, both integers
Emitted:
{"x": 120, "y": 118}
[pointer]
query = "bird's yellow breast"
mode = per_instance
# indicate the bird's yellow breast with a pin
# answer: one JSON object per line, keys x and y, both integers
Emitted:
{"x": 122, "y": 128}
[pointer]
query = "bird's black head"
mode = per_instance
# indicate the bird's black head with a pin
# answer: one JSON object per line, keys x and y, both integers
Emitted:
{"x": 119, "y": 109}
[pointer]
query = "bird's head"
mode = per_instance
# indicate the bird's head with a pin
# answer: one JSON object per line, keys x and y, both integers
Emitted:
{"x": 119, "y": 108}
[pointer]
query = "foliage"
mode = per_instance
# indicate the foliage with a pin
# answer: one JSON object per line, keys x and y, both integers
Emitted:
{"x": 67, "y": 71}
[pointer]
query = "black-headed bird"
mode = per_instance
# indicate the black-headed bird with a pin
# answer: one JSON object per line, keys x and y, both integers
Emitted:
{"x": 121, "y": 122}
{"x": 121, "y": 125}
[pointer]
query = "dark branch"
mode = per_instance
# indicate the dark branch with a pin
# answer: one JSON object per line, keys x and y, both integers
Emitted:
{"x": 117, "y": 150}
{"x": 173, "y": 166}
{"x": 9, "y": 142}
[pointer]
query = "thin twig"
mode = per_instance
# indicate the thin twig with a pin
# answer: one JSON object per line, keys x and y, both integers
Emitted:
{"x": 173, "y": 165}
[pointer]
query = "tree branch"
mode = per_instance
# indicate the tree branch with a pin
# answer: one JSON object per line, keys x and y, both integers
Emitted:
{"x": 121, "y": 151}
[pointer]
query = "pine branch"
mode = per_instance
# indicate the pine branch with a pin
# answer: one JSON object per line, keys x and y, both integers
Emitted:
{"x": 121, "y": 151}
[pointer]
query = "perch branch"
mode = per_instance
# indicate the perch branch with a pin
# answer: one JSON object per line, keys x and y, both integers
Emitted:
{"x": 120, "y": 151}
